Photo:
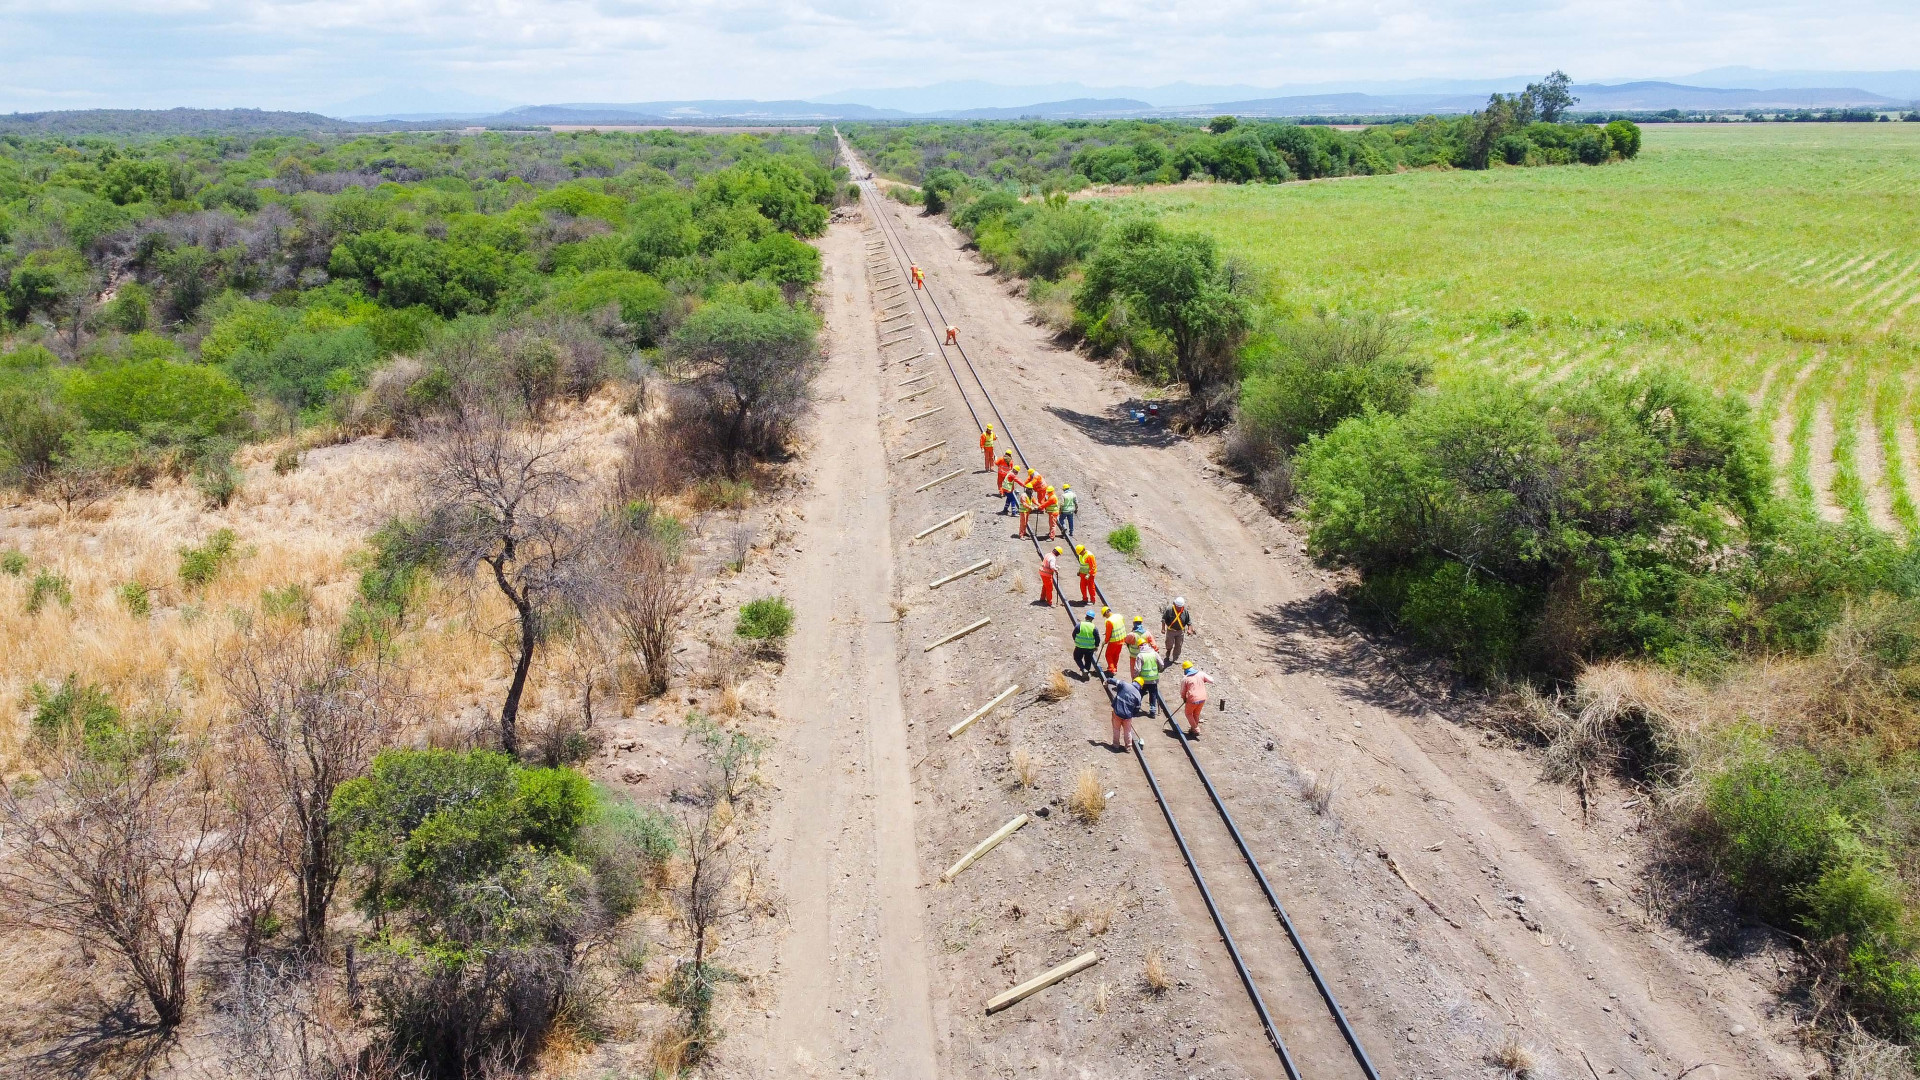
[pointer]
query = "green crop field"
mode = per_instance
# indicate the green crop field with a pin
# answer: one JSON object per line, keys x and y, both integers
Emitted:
{"x": 1778, "y": 260}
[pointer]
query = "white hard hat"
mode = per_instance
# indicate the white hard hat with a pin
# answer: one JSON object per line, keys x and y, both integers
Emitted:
{"x": 1179, "y": 601}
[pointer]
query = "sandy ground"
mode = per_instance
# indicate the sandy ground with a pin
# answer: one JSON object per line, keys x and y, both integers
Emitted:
{"x": 1511, "y": 918}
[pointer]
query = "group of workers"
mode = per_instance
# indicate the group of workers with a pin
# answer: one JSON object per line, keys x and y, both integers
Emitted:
{"x": 1027, "y": 495}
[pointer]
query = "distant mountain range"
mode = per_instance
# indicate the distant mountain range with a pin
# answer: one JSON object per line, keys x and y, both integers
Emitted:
{"x": 412, "y": 109}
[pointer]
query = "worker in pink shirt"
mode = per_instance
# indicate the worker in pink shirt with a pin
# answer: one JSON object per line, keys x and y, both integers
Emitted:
{"x": 1193, "y": 694}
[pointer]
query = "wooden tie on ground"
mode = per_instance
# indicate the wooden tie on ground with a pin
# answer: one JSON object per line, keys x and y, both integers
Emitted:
{"x": 940, "y": 480}
{"x": 984, "y": 709}
{"x": 985, "y": 846}
{"x": 958, "y": 574}
{"x": 960, "y": 633}
{"x": 924, "y": 449}
{"x": 924, "y": 415}
{"x": 929, "y": 530}
{"x": 1041, "y": 982}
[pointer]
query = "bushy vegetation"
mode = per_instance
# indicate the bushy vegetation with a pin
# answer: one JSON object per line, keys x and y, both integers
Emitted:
{"x": 162, "y": 298}
{"x": 1071, "y": 154}
{"x": 768, "y": 619}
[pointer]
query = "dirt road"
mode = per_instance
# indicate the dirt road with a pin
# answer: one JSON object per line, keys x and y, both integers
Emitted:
{"x": 853, "y": 970}
{"x": 1506, "y": 919}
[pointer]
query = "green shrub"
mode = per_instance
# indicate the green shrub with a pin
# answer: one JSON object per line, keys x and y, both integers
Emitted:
{"x": 401, "y": 555}
{"x": 140, "y": 396}
{"x": 644, "y": 304}
{"x": 1125, "y": 540}
{"x": 13, "y": 563}
{"x": 623, "y": 845}
{"x": 1320, "y": 371}
{"x": 216, "y": 477}
{"x": 137, "y": 598}
{"x": 768, "y": 619}
{"x": 75, "y": 710}
{"x": 199, "y": 566}
{"x": 307, "y": 369}
{"x": 291, "y": 602}
{"x": 48, "y": 585}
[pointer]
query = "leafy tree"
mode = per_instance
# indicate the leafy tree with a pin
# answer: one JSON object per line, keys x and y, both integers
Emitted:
{"x": 1549, "y": 98}
{"x": 644, "y": 304}
{"x": 752, "y": 364}
{"x": 307, "y": 369}
{"x": 1178, "y": 284}
{"x": 1220, "y": 125}
{"x": 189, "y": 401}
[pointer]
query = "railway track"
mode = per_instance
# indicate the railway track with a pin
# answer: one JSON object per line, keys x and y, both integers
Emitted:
{"x": 1297, "y": 1008}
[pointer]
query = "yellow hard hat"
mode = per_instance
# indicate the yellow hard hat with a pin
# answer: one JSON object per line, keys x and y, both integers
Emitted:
{"x": 1106, "y": 611}
{"x": 1139, "y": 680}
{"x": 1057, "y": 551}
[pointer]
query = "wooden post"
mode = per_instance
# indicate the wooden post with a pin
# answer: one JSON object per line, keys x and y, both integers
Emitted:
{"x": 940, "y": 480}
{"x": 910, "y": 382}
{"x": 983, "y": 710}
{"x": 924, "y": 449}
{"x": 958, "y": 634}
{"x": 917, "y": 393}
{"x": 929, "y": 530}
{"x": 1041, "y": 982}
{"x": 958, "y": 574}
{"x": 924, "y": 415}
{"x": 983, "y": 847}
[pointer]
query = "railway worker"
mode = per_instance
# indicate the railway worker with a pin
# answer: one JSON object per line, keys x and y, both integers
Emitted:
{"x": 953, "y": 335}
{"x": 1049, "y": 577}
{"x": 1069, "y": 502}
{"x": 1126, "y": 706}
{"x": 1135, "y": 638}
{"x": 1088, "y": 594}
{"x": 1050, "y": 504}
{"x": 1027, "y": 510}
{"x": 919, "y": 278}
{"x": 1116, "y": 630}
{"x": 1149, "y": 673}
{"x": 1002, "y": 473}
{"x": 1086, "y": 639}
{"x": 986, "y": 446}
{"x": 1175, "y": 622}
{"x": 1193, "y": 695}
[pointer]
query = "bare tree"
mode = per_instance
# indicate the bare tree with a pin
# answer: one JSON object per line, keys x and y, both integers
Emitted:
{"x": 649, "y": 596}
{"x": 116, "y": 850}
{"x": 706, "y": 901}
{"x": 506, "y": 500}
{"x": 310, "y": 717}
{"x": 253, "y": 871}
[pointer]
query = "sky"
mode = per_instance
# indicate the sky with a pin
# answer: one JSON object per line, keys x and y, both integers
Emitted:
{"x": 317, "y": 54}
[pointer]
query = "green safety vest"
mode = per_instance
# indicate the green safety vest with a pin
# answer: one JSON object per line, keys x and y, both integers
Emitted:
{"x": 1069, "y": 502}
{"x": 1150, "y": 665}
{"x": 1087, "y": 634}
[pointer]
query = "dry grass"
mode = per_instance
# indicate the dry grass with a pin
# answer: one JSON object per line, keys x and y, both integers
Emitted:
{"x": 1318, "y": 791}
{"x": 1860, "y": 1056}
{"x": 1155, "y": 971}
{"x": 994, "y": 571}
{"x": 1100, "y": 994}
{"x": 963, "y": 528}
{"x": 1057, "y": 688}
{"x": 1097, "y": 916}
{"x": 1026, "y": 772}
{"x": 1087, "y": 801}
{"x": 1512, "y": 1057}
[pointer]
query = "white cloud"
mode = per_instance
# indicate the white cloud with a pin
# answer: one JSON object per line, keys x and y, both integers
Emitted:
{"x": 311, "y": 53}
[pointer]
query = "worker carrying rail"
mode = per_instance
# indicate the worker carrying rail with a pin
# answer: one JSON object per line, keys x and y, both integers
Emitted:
{"x": 1193, "y": 695}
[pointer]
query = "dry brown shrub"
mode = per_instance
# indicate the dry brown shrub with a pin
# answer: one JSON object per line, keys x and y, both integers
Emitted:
{"x": 1026, "y": 772}
{"x": 962, "y": 528}
{"x": 1100, "y": 997}
{"x": 1158, "y": 981}
{"x": 1087, "y": 801}
{"x": 1512, "y": 1057}
{"x": 1098, "y": 917}
{"x": 1057, "y": 688}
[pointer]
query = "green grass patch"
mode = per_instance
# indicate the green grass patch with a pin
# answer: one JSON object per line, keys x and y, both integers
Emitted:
{"x": 1125, "y": 540}
{"x": 768, "y": 619}
{"x": 199, "y": 566}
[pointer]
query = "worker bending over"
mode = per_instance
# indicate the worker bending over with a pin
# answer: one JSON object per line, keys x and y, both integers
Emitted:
{"x": 1049, "y": 576}
{"x": 1086, "y": 639}
{"x": 1116, "y": 636}
{"x": 1088, "y": 594}
{"x": 1126, "y": 706}
{"x": 953, "y": 335}
{"x": 1175, "y": 622}
{"x": 986, "y": 446}
{"x": 1193, "y": 695}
